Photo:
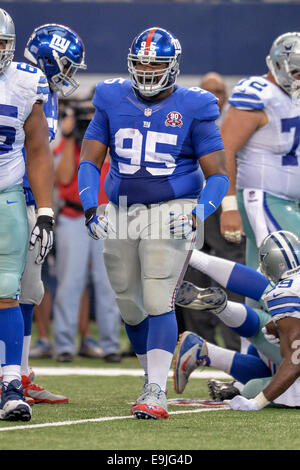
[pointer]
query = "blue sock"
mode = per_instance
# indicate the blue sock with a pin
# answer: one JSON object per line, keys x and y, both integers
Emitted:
{"x": 163, "y": 332}
{"x": 11, "y": 336}
{"x": 247, "y": 282}
{"x": 250, "y": 326}
{"x": 246, "y": 367}
{"x": 27, "y": 312}
{"x": 138, "y": 335}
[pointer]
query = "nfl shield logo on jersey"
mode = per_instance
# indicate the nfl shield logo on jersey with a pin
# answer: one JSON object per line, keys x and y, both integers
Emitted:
{"x": 147, "y": 112}
{"x": 174, "y": 119}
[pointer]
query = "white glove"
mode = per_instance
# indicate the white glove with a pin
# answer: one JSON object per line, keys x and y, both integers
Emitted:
{"x": 42, "y": 233}
{"x": 269, "y": 337}
{"x": 180, "y": 226}
{"x": 241, "y": 403}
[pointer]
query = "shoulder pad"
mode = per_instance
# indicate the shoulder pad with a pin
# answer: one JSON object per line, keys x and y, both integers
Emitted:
{"x": 284, "y": 295}
{"x": 251, "y": 93}
{"x": 32, "y": 81}
{"x": 109, "y": 92}
{"x": 199, "y": 103}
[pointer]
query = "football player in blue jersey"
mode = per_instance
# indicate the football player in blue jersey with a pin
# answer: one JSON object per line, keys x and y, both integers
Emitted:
{"x": 59, "y": 53}
{"x": 157, "y": 133}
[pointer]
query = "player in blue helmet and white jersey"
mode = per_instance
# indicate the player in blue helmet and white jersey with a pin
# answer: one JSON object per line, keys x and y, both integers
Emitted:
{"x": 261, "y": 134}
{"x": 157, "y": 133}
{"x": 23, "y": 90}
{"x": 59, "y": 53}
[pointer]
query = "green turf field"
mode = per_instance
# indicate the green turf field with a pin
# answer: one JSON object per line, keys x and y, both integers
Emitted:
{"x": 80, "y": 425}
{"x": 110, "y": 397}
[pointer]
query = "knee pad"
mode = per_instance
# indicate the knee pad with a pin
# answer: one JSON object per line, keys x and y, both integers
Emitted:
{"x": 131, "y": 313}
{"x": 9, "y": 285}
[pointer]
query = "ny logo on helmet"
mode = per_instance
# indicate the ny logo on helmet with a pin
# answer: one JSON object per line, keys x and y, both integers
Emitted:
{"x": 59, "y": 44}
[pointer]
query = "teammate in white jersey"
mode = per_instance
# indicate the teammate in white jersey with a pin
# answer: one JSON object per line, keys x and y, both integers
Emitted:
{"x": 23, "y": 89}
{"x": 261, "y": 134}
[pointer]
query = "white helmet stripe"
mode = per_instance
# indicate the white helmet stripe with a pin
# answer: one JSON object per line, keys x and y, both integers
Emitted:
{"x": 287, "y": 249}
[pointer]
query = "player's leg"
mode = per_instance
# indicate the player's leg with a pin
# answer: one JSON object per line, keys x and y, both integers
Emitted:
{"x": 32, "y": 291}
{"x": 284, "y": 214}
{"x": 72, "y": 252}
{"x": 13, "y": 250}
{"x": 193, "y": 351}
{"x": 107, "y": 311}
{"x": 163, "y": 264}
{"x": 229, "y": 274}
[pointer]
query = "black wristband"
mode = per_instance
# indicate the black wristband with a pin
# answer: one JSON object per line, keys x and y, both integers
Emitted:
{"x": 89, "y": 214}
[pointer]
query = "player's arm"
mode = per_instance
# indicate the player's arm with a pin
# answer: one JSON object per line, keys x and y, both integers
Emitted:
{"x": 93, "y": 153}
{"x": 40, "y": 175}
{"x": 213, "y": 166}
{"x": 39, "y": 158}
{"x": 287, "y": 373}
{"x": 236, "y": 129}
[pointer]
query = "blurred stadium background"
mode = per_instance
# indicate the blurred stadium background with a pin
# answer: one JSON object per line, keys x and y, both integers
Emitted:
{"x": 228, "y": 37}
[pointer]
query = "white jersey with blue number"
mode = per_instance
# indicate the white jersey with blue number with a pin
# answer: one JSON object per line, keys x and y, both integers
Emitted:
{"x": 270, "y": 160}
{"x": 21, "y": 85}
{"x": 284, "y": 299}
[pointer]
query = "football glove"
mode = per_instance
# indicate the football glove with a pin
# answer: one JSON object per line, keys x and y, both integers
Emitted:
{"x": 42, "y": 233}
{"x": 270, "y": 337}
{"x": 241, "y": 403}
{"x": 181, "y": 226}
{"x": 97, "y": 226}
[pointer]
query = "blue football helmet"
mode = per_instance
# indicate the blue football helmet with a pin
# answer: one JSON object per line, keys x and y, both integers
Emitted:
{"x": 154, "y": 46}
{"x": 59, "y": 52}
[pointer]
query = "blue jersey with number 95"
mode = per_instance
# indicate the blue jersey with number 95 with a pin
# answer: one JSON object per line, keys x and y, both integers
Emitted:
{"x": 154, "y": 146}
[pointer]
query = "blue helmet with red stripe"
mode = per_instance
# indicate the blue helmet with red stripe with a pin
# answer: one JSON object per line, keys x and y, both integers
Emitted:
{"x": 279, "y": 255}
{"x": 59, "y": 52}
{"x": 153, "y": 61}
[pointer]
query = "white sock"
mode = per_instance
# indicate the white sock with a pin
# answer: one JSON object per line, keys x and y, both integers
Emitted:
{"x": 220, "y": 358}
{"x": 233, "y": 315}
{"x": 143, "y": 361}
{"x": 218, "y": 269}
{"x": 25, "y": 355}
{"x": 159, "y": 362}
{"x": 10, "y": 373}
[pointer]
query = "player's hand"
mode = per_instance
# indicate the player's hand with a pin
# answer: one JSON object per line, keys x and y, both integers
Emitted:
{"x": 98, "y": 226}
{"x": 181, "y": 226}
{"x": 241, "y": 403}
{"x": 42, "y": 233}
{"x": 270, "y": 332}
{"x": 231, "y": 226}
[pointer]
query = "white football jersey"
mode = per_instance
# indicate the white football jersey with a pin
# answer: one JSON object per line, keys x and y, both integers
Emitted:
{"x": 21, "y": 85}
{"x": 270, "y": 160}
{"x": 284, "y": 299}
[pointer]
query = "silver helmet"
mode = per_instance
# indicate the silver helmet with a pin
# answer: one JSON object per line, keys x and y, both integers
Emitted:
{"x": 7, "y": 33}
{"x": 284, "y": 63}
{"x": 279, "y": 255}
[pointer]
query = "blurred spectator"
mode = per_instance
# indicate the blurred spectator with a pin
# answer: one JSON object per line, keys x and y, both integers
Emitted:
{"x": 204, "y": 323}
{"x": 78, "y": 255}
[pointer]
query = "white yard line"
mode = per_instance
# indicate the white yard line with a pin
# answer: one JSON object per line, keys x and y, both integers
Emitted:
{"x": 52, "y": 371}
{"x": 99, "y": 420}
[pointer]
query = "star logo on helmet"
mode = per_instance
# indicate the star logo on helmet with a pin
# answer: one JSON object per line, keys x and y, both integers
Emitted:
{"x": 288, "y": 49}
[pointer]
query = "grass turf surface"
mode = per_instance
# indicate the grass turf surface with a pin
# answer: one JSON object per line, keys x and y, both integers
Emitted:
{"x": 96, "y": 397}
